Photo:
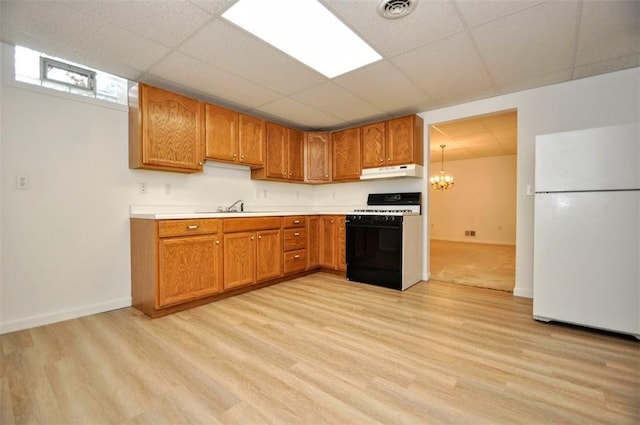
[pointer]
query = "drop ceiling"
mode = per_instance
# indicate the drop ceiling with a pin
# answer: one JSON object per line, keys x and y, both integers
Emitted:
{"x": 445, "y": 52}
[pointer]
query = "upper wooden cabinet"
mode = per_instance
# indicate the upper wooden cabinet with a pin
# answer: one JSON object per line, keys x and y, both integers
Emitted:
{"x": 393, "y": 142}
{"x": 346, "y": 154}
{"x": 166, "y": 130}
{"x": 251, "y": 140}
{"x": 284, "y": 148}
{"x": 234, "y": 137}
{"x": 317, "y": 158}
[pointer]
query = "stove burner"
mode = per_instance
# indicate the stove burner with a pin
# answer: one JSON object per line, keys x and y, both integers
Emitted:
{"x": 383, "y": 211}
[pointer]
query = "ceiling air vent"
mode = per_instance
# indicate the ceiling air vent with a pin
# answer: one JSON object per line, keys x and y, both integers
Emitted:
{"x": 394, "y": 9}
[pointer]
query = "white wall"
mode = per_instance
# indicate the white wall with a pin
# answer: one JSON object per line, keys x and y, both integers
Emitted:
{"x": 603, "y": 100}
{"x": 483, "y": 199}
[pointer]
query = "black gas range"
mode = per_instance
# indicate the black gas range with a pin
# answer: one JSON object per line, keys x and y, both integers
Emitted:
{"x": 384, "y": 241}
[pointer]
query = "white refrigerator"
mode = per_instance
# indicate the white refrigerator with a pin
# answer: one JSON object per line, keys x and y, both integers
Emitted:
{"x": 587, "y": 228}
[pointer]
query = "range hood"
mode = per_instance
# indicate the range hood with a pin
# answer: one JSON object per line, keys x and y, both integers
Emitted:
{"x": 409, "y": 170}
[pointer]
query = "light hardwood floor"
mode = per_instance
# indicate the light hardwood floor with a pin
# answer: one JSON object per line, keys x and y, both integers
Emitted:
{"x": 318, "y": 350}
{"x": 474, "y": 264}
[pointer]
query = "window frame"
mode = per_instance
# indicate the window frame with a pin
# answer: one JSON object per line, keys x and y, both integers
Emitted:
{"x": 46, "y": 62}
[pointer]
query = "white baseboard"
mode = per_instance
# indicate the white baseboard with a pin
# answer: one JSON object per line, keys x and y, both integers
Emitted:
{"x": 524, "y": 293}
{"x": 59, "y": 316}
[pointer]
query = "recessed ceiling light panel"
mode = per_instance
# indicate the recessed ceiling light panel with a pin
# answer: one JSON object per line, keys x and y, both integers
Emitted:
{"x": 305, "y": 30}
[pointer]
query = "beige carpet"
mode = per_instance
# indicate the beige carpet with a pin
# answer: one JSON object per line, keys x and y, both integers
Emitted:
{"x": 473, "y": 264}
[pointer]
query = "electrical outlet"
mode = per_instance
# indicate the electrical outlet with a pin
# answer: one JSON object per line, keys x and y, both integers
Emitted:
{"x": 22, "y": 182}
{"x": 168, "y": 188}
{"x": 143, "y": 188}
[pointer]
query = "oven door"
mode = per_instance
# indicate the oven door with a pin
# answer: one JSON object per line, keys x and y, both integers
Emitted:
{"x": 374, "y": 253}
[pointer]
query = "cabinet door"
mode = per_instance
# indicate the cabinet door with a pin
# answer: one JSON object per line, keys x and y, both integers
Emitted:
{"x": 251, "y": 140}
{"x": 346, "y": 154}
{"x": 239, "y": 259}
{"x": 317, "y": 158}
{"x": 294, "y": 155}
{"x": 276, "y": 151}
{"x": 188, "y": 268}
{"x": 400, "y": 141}
{"x": 313, "y": 242}
{"x": 327, "y": 254}
{"x": 172, "y": 130}
{"x": 341, "y": 241}
{"x": 373, "y": 145}
{"x": 269, "y": 254}
{"x": 221, "y": 133}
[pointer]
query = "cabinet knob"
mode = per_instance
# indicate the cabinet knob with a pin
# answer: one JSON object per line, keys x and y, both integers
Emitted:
{"x": 295, "y": 257}
{"x": 331, "y": 221}
{"x": 241, "y": 156}
{"x": 200, "y": 163}
{"x": 260, "y": 237}
{"x": 252, "y": 237}
{"x": 192, "y": 227}
{"x": 296, "y": 234}
{"x": 296, "y": 221}
{"x": 381, "y": 159}
{"x": 218, "y": 242}
{"x": 235, "y": 155}
{"x": 388, "y": 159}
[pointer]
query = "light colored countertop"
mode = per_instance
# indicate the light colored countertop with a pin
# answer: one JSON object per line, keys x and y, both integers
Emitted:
{"x": 183, "y": 212}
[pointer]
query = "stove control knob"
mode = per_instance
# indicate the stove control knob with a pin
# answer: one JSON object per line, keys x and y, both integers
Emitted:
{"x": 386, "y": 218}
{"x": 392, "y": 218}
{"x": 359, "y": 217}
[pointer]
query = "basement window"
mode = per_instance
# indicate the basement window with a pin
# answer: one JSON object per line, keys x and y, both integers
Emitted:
{"x": 36, "y": 68}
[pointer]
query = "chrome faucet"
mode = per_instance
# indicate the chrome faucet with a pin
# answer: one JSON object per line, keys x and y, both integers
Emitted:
{"x": 233, "y": 207}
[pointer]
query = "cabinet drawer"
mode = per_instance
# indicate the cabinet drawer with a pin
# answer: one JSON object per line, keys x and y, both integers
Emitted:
{"x": 295, "y": 261}
{"x": 294, "y": 221}
{"x": 168, "y": 228}
{"x": 246, "y": 224}
{"x": 295, "y": 239}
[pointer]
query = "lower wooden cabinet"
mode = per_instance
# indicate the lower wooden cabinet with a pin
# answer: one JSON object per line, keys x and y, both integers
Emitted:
{"x": 252, "y": 250}
{"x": 295, "y": 244}
{"x": 313, "y": 242}
{"x": 174, "y": 261}
{"x": 331, "y": 242}
{"x": 177, "y": 264}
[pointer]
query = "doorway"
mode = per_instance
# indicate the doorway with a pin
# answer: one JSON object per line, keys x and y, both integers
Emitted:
{"x": 472, "y": 224}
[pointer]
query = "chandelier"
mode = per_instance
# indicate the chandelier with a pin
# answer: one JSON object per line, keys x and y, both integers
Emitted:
{"x": 443, "y": 181}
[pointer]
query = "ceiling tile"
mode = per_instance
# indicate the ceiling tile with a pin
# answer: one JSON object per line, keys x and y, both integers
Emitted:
{"x": 297, "y": 112}
{"x": 540, "y": 41}
{"x": 238, "y": 52}
{"x": 213, "y": 6}
{"x": 429, "y": 21}
{"x": 335, "y": 100}
{"x": 632, "y": 61}
{"x": 383, "y": 86}
{"x": 446, "y": 68}
{"x": 608, "y": 30}
{"x": 206, "y": 78}
{"x": 476, "y": 12}
{"x": 85, "y": 39}
{"x": 168, "y": 22}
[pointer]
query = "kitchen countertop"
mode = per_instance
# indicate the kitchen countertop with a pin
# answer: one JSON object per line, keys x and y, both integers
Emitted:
{"x": 181, "y": 212}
